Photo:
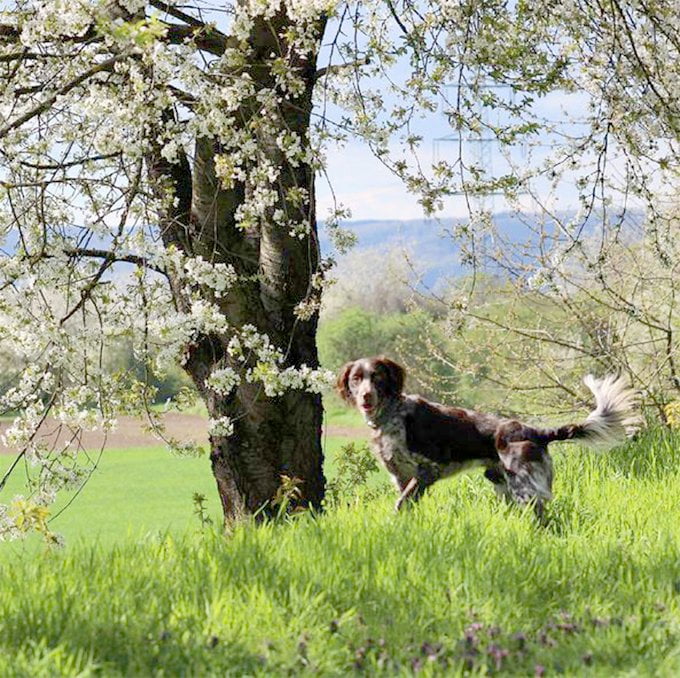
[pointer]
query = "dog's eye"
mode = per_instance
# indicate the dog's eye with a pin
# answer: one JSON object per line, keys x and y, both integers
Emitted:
{"x": 355, "y": 378}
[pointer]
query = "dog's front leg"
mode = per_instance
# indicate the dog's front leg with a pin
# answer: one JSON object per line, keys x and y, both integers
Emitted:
{"x": 410, "y": 487}
{"x": 416, "y": 487}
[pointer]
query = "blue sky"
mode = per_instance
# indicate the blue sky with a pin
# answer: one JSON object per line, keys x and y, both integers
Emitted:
{"x": 371, "y": 191}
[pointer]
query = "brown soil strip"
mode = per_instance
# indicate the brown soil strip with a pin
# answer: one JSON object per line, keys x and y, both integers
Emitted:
{"x": 131, "y": 433}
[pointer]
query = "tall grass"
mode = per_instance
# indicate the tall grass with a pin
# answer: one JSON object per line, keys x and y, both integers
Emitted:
{"x": 459, "y": 584}
{"x": 131, "y": 491}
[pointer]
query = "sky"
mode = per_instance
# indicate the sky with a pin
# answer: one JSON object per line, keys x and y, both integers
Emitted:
{"x": 371, "y": 191}
{"x": 363, "y": 184}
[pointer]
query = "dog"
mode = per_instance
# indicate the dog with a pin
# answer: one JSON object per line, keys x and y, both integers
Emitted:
{"x": 419, "y": 442}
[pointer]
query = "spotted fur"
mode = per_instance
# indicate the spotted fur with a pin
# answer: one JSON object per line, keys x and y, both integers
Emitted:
{"x": 419, "y": 442}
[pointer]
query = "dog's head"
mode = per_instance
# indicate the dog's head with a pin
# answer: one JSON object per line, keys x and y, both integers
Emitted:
{"x": 368, "y": 383}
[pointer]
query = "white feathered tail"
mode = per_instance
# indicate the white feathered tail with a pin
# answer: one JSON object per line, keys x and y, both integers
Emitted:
{"x": 614, "y": 418}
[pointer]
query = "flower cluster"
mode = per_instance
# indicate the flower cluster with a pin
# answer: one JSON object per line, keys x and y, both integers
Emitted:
{"x": 276, "y": 381}
{"x": 223, "y": 380}
{"x": 218, "y": 277}
{"x": 222, "y": 427}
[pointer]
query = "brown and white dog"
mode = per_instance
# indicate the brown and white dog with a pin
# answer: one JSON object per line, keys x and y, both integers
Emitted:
{"x": 418, "y": 442}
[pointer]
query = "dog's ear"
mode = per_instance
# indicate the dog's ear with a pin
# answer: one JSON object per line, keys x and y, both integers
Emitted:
{"x": 396, "y": 374}
{"x": 342, "y": 383}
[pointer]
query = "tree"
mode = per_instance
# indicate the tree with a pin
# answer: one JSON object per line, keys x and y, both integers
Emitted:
{"x": 377, "y": 280}
{"x": 159, "y": 142}
{"x": 159, "y": 161}
{"x": 592, "y": 289}
{"x": 609, "y": 307}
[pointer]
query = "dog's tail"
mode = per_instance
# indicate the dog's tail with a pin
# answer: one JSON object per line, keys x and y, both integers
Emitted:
{"x": 613, "y": 418}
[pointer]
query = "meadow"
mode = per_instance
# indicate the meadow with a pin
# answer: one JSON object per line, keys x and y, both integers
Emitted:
{"x": 461, "y": 584}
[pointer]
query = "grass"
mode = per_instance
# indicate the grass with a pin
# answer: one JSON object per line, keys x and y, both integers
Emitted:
{"x": 459, "y": 584}
{"x": 337, "y": 413}
{"x": 146, "y": 490}
{"x": 469, "y": 583}
{"x": 134, "y": 492}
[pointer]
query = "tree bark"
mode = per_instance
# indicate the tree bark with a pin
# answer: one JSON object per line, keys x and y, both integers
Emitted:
{"x": 279, "y": 438}
{"x": 274, "y": 438}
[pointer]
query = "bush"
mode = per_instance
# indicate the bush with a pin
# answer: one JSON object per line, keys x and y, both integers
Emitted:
{"x": 355, "y": 466}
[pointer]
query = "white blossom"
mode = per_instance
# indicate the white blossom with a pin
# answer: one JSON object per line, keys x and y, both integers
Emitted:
{"x": 221, "y": 427}
{"x": 219, "y": 277}
{"x": 223, "y": 380}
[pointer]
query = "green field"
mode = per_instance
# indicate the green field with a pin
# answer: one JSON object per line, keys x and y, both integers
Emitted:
{"x": 459, "y": 584}
{"x": 132, "y": 493}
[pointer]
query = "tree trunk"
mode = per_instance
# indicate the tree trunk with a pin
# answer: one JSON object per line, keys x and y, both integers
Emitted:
{"x": 275, "y": 439}
{"x": 279, "y": 439}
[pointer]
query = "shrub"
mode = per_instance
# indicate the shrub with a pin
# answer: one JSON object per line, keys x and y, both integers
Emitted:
{"x": 355, "y": 466}
{"x": 410, "y": 338}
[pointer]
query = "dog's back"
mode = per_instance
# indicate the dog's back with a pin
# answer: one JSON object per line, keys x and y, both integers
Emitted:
{"x": 449, "y": 434}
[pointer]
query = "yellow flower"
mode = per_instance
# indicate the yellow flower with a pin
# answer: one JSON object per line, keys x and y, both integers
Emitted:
{"x": 672, "y": 412}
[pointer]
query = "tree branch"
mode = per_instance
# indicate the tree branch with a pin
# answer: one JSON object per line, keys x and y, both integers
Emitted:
{"x": 395, "y": 16}
{"x": 185, "y": 98}
{"x": 8, "y": 33}
{"x": 208, "y": 39}
{"x": 44, "y": 105}
{"x": 178, "y": 14}
{"x": 22, "y": 454}
{"x": 72, "y": 163}
{"x": 337, "y": 68}
{"x": 11, "y": 34}
{"x": 112, "y": 257}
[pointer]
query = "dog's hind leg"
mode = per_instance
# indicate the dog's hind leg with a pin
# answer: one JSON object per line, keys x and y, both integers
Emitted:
{"x": 528, "y": 471}
{"x": 496, "y": 475}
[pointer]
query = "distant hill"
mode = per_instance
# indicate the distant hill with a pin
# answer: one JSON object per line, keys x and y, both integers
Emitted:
{"x": 434, "y": 249}
{"x": 431, "y": 248}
